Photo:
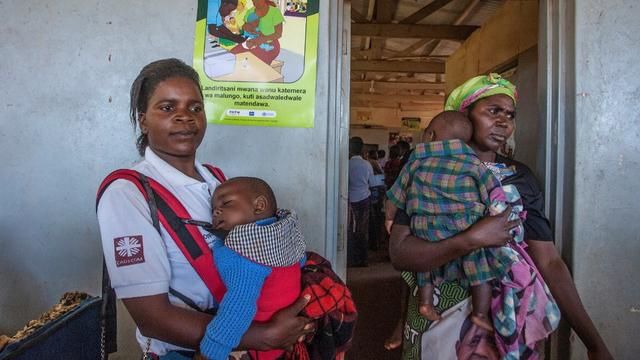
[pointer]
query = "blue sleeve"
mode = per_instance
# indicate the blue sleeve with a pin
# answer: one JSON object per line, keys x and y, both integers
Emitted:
{"x": 243, "y": 279}
{"x": 213, "y": 13}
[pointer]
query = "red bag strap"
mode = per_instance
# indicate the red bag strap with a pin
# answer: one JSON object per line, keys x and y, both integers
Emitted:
{"x": 172, "y": 214}
{"x": 216, "y": 172}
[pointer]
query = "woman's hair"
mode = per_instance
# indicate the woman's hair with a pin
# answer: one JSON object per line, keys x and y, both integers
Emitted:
{"x": 145, "y": 84}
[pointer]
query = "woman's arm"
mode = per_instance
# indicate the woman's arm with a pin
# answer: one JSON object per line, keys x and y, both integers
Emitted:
{"x": 557, "y": 276}
{"x": 411, "y": 253}
{"x": 265, "y": 38}
{"x": 157, "y": 318}
{"x": 244, "y": 280}
{"x": 221, "y": 31}
{"x": 250, "y": 27}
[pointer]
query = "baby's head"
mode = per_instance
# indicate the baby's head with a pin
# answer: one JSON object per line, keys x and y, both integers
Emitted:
{"x": 242, "y": 200}
{"x": 448, "y": 125}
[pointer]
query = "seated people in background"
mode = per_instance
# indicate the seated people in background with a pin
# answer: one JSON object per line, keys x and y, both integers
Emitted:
{"x": 259, "y": 261}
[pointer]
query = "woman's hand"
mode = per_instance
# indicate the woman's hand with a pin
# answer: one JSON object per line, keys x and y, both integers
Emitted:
{"x": 287, "y": 327}
{"x": 492, "y": 230}
{"x": 250, "y": 28}
{"x": 251, "y": 43}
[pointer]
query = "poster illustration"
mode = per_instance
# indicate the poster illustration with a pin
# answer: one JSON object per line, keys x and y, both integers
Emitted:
{"x": 257, "y": 61}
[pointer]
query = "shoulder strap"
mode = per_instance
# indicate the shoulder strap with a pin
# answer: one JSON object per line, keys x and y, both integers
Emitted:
{"x": 174, "y": 218}
{"x": 216, "y": 172}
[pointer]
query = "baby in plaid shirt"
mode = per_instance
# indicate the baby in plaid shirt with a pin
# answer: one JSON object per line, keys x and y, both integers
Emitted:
{"x": 445, "y": 188}
{"x": 259, "y": 261}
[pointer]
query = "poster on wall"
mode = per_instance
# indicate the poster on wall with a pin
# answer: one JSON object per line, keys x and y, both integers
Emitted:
{"x": 257, "y": 61}
{"x": 410, "y": 123}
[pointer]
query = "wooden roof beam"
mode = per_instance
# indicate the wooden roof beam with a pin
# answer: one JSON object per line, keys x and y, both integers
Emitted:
{"x": 393, "y": 85}
{"x": 385, "y": 10}
{"x": 426, "y": 99}
{"x": 458, "y": 21}
{"x": 398, "y": 66}
{"x": 432, "y": 7}
{"x": 357, "y": 16}
{"x": 415, "y": 31}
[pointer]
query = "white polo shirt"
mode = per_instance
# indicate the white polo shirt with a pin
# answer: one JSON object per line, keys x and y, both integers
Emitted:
{"x": 142, "y": 262}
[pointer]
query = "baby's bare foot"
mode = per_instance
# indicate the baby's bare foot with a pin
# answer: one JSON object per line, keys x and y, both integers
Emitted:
{"x": 395, "y": 340}
{"x": 429, "y": 312}
{"x": 482, "y": 321}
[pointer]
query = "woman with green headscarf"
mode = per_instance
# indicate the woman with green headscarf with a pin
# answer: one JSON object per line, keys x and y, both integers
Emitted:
{"x": 490, "y": 103}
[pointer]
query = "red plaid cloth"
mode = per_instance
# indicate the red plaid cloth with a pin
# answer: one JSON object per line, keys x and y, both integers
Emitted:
{"x": 332, "y": 307}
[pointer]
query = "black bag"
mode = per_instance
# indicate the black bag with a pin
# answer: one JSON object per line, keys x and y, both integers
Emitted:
{"x": 74, "y": 335}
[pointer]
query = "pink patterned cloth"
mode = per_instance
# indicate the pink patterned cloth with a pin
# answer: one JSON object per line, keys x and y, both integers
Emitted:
{"x": 523, "y": 309}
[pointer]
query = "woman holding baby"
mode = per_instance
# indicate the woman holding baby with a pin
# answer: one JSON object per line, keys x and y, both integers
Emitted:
{"x": 490, "y": 103}
{"x": 166, "y": 297}
{"x": 263, "y": 29}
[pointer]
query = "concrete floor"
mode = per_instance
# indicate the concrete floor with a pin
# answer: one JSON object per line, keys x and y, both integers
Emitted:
{"x": 376, "y": 291}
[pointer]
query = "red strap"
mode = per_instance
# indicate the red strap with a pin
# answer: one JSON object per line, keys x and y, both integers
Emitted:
{"x": 203, "y": 263}
{"x": 217, "y": 173}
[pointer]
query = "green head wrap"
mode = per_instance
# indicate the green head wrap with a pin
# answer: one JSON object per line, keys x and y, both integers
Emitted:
{"x": 477, "y": 88}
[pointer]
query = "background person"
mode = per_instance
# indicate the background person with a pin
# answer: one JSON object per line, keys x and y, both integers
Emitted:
{"x": 360, "y": 180}
{"x": 378, "y": 188}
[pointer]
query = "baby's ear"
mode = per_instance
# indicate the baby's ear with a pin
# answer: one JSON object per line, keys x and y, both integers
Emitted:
{"x": 260, "y": 204}
{"x": 428, "y": 136}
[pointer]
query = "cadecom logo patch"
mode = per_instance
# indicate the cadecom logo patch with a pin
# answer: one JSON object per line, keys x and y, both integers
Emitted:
{"x": 129, "y": 250}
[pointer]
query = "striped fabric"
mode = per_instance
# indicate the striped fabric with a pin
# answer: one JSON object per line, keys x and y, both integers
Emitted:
{"x": 445, "y": 188}
{"x": 275, "y": 245}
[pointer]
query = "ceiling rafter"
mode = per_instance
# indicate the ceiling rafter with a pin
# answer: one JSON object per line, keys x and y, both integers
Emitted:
{"x": 385, "y": 10}
{"x": 428, "y": 99}
{"x": 398, "y": 66}
{"x": 425, "y": 11}
{"x": 393, "y": 85}
{"x": 458, "y": 21}
{"x": 414, "y": 31}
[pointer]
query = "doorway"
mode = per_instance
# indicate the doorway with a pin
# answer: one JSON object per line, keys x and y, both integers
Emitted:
{"x": 401, "y": 72}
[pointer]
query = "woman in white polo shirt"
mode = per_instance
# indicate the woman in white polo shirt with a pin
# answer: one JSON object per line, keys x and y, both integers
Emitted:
{"x": 167, "y": 106}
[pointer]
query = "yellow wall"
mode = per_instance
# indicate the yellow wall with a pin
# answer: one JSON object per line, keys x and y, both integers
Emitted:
{"x": 509, "y": 32}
